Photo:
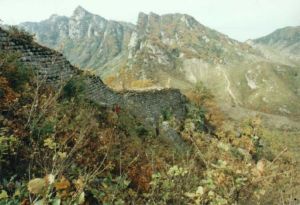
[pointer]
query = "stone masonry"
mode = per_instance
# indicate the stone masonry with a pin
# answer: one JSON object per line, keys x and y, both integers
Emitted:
{"x": 146, "y": 105}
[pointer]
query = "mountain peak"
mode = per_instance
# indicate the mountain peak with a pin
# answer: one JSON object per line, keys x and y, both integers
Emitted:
{"x": 80, "y": 11}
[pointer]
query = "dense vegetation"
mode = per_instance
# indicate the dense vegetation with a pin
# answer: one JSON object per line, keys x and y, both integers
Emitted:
{"x": 58, "y": 148}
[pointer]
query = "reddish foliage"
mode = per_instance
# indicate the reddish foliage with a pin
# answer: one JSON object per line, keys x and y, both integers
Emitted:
{"x": 25, "y": 202}
{"x": 9, "y": 95}
{"x": 140, "y": 176}
{"x": 117, "y": 109}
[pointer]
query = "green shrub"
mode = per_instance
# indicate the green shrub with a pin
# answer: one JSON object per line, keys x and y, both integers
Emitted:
{"x": 41, "y": 127}
{"x": 20, "y": 77}
{"x": 14, "y": 71}
{"x": 74, "y": 88}
{"x": 141, "y": 131}
{"x": 7, "y": 146}
{"x": 166, "y": 114}
{"x": 197, "y": 114}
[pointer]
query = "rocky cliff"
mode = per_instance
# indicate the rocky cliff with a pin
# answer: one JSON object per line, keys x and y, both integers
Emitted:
{"x": 87, "y": 40}
{"x": 177, "y": 51}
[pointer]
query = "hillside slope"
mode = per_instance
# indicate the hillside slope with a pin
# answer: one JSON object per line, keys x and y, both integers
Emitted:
{"x": 53, "y": 68}
{"x": 284, "y": 41}
{"x": 63, "y": 142}
{"x": 87, "y": 40}
{"x": 175, "y": 50}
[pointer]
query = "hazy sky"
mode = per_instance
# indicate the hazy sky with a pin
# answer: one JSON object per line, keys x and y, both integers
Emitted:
{"x": 240, "y": 19}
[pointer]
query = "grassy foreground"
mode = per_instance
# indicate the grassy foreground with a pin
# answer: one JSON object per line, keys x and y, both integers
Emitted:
{"x": 57, "y": 148}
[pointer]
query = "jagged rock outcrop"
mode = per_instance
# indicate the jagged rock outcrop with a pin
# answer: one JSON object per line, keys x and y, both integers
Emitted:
{"x": 87, "y": 40}
{"x": 177, "y": 51}
{"x": 146, "y": 106}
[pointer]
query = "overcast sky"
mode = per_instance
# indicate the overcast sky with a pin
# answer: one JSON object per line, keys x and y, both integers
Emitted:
{"x": 240, "y": 19}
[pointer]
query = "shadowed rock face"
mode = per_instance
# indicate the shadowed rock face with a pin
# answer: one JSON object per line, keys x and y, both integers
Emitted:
{"x": 146, "y": 106}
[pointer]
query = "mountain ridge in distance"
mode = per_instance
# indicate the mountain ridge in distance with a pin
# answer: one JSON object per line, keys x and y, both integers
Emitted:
{"x": 283, "y": 42}
{"x": 175, "y": 50}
